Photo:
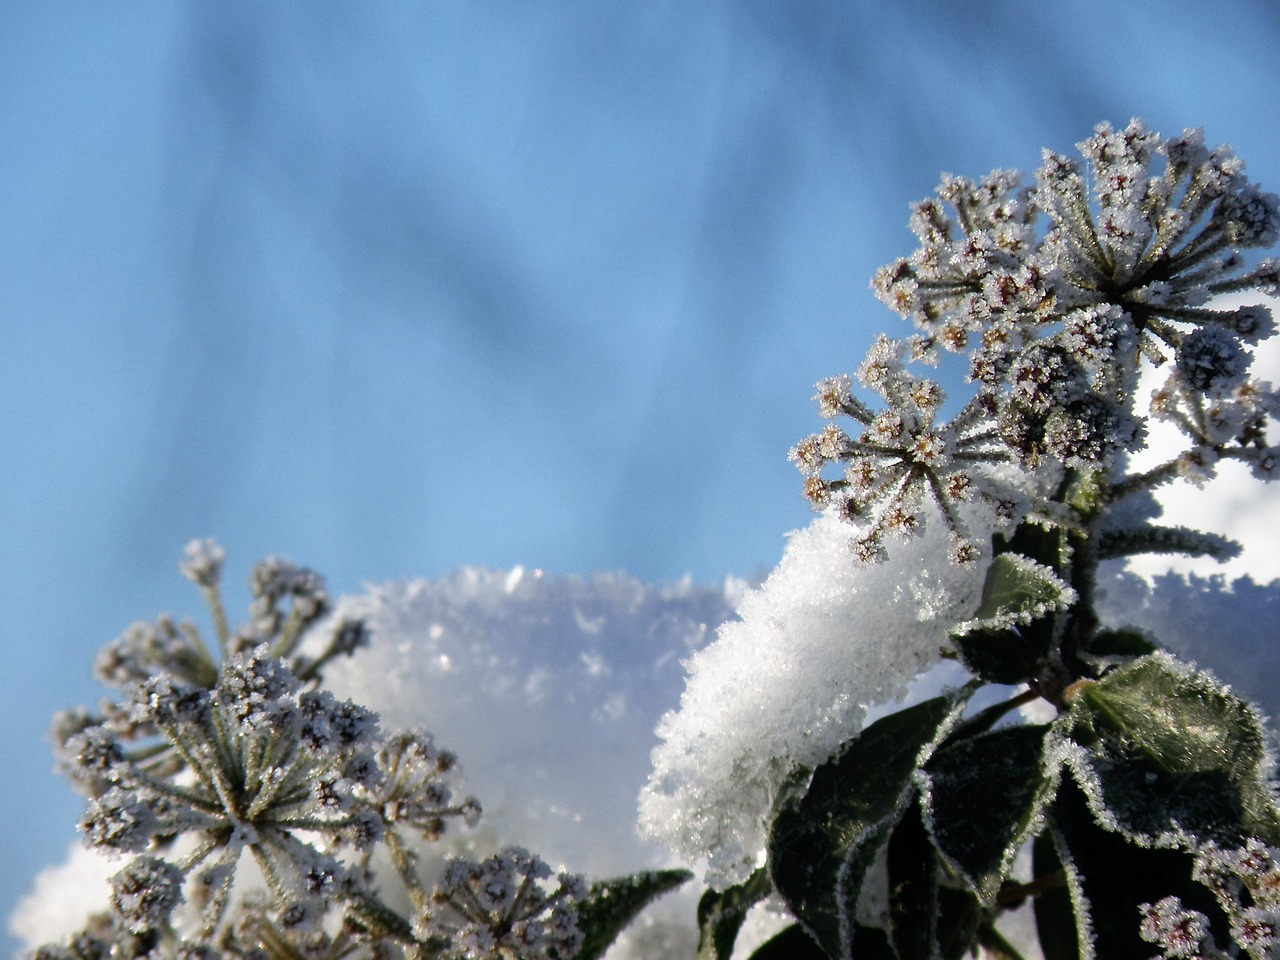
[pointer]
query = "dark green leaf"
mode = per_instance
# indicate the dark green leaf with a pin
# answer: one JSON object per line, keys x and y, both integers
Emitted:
{"x": 612, "y": 904}
{"x": 720, "y": 915}
{"x": 1114, "y": 876}
{"x": 1120, "y": 643}
{"x": 1019, "y": 589}
{"x": 794, "y": 944}
{"x": 1055, "y": 919}
{"x": 1170, "y": 754}
{"x": 913, "y": 889}
{"x": 823, "y": 840}
{"x": 959, "y": 917}
{"x": 999, "y": 655}
{"x": 985, "y": 796}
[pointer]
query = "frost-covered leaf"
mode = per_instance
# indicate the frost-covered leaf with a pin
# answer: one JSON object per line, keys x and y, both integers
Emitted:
{"x": 913, "y": 889}
{"x": 983, "y": 798}
{"x": 823, "y": 840}
{"x": 612, "y": 904}
{"x": 1120, "y": 643}
{"x": 1006, "y": 656}
{"x": 1055, "y": 918}
{"x": 720, "y": 915}
{"x": 1168, "y": 756}
{"x": 1109, "y": 877}
{"x": 794, "y": 944}
{"x": 1018, "y": 590}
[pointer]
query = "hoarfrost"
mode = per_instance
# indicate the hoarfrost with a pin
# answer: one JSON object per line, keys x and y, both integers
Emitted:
{"x": 791, "y": 679}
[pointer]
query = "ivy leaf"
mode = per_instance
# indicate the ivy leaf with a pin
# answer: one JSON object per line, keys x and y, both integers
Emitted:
{"x": 1018, "y": 590}
{"x": 913, "y": 889}
{"x": 959, "y": 917}
{"x": 1120, "y": 643}
{"x": 720, "y": 915}
{"x": 823, "y": 840}
{"x": 1001, "y": 656}
{"x": 1109, "y": 876}
{"x": 612, "y": 904}
{"x": 1055, "y": 918}
{"x": 983, "y": 798}
{"x": 1169, "y": 756}
{"x": 794, "y": 944}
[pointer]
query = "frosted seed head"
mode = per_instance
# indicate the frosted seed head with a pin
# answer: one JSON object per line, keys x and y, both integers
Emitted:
{"x": 145, "y": 892}
{"x": 1211, "y": 361}
{"x": 203, "y": 563}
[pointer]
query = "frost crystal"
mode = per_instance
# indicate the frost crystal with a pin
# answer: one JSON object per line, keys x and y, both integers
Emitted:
{"x": 787, "y": 683}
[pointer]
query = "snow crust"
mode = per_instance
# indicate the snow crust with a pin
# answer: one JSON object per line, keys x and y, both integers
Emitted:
{"x": 790, "y": 680}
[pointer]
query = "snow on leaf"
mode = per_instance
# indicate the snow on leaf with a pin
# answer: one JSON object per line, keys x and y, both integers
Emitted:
{"x": 791, "y": 680}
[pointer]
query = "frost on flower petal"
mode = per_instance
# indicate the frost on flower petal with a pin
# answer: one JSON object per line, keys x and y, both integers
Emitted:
{"x": 787, "y": 683}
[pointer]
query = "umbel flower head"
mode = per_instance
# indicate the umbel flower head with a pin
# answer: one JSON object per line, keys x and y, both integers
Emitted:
{"x": 203, "y": 762}
{"x": 1136, "y": 242}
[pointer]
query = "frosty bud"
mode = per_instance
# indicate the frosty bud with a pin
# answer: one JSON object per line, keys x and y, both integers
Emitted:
{"x": 1212, "y": 361}
{"x": 145, "y": 892}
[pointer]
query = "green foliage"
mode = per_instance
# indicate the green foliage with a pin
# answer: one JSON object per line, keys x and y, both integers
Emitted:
{"x": 1168, "y": 756}
{"x": 1148, "y": 801}
{"x": 1019, "y": 590}
{"x": 1109, "y": 877}
{"x": 824, "y": 841}
{"x": 978, "y": 838}
{"x": 611, "y": 905}
{"x": 720, "y": 915}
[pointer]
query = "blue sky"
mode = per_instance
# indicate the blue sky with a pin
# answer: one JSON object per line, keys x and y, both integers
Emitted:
{"x": 393, "y": 288}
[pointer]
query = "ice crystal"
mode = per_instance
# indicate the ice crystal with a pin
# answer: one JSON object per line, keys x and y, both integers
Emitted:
{"x": 790, "y": 681}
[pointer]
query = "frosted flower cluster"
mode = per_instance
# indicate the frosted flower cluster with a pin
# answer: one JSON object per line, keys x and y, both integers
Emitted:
{"x": 1246, "y": 883}
{"x": 1055, "y": 321}
{"x": 787, "y": 683}
{"x": 214, "y": 758}
{"x": 498, "y": 909}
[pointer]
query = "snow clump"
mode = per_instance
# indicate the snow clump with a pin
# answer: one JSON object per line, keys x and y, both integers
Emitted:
{"x": 789, "y": 681}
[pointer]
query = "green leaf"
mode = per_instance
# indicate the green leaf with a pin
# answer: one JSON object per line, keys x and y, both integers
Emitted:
{"x": 1120, "y": 643}
{"x": 823, "y": 840}
{"x": 1018, "y": 590}
{"x": 1111, "y": 876}
{"x": 1055, "y": 918}
{"x": 1168, "y": 755}
{"x": 612, "y": 904}
{"x": 913, "y": 889}
{"x": 794, "y": 944}
{"x": 999, "y": 656}
{"x": 959, "y": 917}
{"x": 720, "y": 915}
{"x": 984, "y": 799}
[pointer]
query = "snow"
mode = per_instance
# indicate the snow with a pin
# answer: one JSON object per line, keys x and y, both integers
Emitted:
{"x": 791, "y": 680}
